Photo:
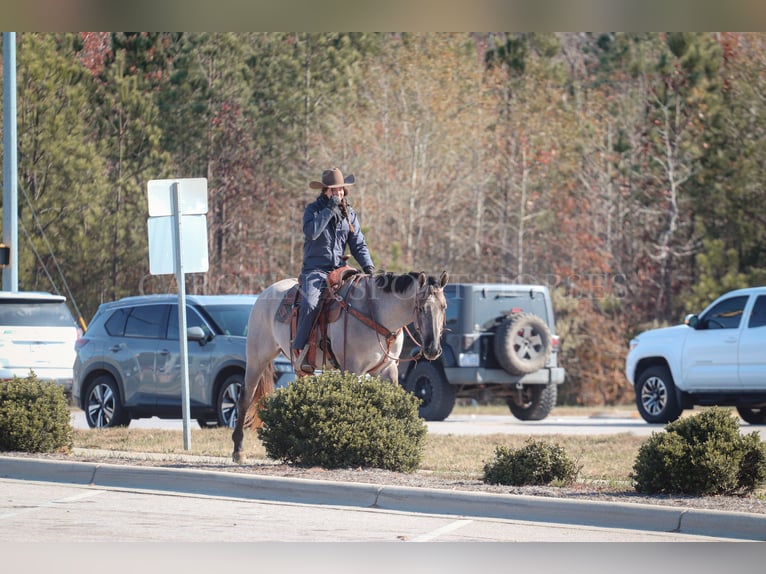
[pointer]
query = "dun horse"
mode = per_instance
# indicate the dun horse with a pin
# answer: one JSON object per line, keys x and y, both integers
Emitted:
{"x": 367, "y": 338}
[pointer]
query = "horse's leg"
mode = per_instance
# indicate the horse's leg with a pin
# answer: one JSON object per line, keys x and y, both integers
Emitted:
{"x": 388, "y": 371}
{"x": 246, "y": 395}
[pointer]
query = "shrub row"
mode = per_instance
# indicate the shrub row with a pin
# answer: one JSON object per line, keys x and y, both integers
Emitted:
{"x": 337, "y": 420}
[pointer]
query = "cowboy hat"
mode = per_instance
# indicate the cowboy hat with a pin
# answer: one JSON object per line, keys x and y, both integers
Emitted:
{"x": 333, "y": 178}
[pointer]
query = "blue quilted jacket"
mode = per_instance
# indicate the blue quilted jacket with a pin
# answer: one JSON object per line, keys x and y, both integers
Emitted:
{"x": 325, "y": 236}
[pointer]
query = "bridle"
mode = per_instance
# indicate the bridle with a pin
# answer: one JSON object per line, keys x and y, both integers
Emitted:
{"x": 420, "y": 310}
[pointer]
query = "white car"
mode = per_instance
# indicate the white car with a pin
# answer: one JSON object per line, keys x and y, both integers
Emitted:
{"x": 717, "y": 357}
{"x": 37, "y": 334}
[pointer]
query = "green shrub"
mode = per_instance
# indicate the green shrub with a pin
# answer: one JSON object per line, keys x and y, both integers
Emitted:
{"x": 34, "y": 416}
{"x": 337, "y": 420}
{"x": 536, "y": 463}
{"x": 701, "y": 455}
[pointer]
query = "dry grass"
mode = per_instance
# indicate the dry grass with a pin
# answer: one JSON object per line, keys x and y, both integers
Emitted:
{"x": 607, "y": 460}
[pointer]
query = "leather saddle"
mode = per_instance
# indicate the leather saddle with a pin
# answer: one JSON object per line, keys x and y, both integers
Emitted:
{"x": 339, "y": 283}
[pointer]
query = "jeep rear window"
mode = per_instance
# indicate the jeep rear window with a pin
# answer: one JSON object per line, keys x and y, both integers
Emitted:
{"x": 491, "y": 305}
{"x": 35, "y": 313}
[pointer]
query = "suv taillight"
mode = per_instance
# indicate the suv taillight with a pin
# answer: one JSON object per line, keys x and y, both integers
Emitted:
{"x": 555, "y": 343}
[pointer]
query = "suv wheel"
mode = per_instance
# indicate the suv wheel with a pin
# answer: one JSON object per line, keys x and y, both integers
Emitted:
{"x": 226, "y": 405}
{"x": 656, "y": 396}
{"x": 533, "y": 402}
{"x": 522, "y": 343}
{"x": 437, "y": 396}
{"x": 754, "y": 416}
{"x": 103, "y": 406}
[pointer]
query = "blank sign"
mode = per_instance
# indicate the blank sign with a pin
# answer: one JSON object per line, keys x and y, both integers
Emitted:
{"x": 193, "y": 244}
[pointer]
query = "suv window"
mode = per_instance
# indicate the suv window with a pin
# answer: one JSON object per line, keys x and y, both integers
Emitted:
{"x": 758, "y": 316}
{"x": 115, "y": 324}
{"x": 192, "y": 320}
{"x": 726, "y": 314}
{"x": 146, "y": 321}
{"x": 35, "y": 313}
{"x": 230, "y": 319}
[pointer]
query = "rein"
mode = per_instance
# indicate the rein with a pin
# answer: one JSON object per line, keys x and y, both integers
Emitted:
{"x": 390, "y": 336}
{"x": 372, "y": 324}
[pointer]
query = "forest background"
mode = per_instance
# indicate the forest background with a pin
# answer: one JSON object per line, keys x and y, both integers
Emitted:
{"x": 622, "y": 170}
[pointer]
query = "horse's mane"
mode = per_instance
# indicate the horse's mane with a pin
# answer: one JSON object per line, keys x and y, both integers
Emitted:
{"x": 390, "y": 282}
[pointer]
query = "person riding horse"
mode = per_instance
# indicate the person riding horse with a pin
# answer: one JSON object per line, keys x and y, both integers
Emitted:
{"x": 329, "y": 225}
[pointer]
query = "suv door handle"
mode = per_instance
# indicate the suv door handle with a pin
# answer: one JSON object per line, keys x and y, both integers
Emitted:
{"x": 116, "y": 348}
{"x": 731, "y": 340}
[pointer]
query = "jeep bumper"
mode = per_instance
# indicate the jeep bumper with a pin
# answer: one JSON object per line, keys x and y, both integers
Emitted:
{"x": 482, "y": 376}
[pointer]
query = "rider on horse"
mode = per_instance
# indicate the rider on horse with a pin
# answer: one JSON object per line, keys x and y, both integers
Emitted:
{"x": 329, "y": 225}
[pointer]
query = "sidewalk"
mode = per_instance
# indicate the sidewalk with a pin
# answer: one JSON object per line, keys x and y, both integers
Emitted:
{"x": 739, "y": 526}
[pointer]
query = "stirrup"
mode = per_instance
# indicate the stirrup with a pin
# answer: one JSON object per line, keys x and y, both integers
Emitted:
{"x": 301, "y": 363}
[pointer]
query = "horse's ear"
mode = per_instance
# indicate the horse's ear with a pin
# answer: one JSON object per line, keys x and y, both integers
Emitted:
{"x": 422, "y": 279}
{"x": 443, "y": 279}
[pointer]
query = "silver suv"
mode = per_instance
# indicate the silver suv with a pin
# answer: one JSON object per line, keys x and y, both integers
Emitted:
{"x": 500, "y": 342}
{"x": 37, "y": 334}
{"x": 128, "y": 362}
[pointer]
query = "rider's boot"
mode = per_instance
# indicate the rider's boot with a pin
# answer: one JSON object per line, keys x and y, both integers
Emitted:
{"x": 302, "y": 362}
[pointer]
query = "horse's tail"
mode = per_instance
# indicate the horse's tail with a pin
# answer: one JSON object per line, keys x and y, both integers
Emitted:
{"x": 265, "y": 388}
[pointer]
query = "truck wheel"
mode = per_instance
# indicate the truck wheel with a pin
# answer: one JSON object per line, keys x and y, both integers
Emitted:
{"x": 533, "y": 402}
{"x": 437, "y": 396}
{"x": 522, "y": 343}
{"x": 656, "y": 396}
{"x": 754, "y": 416}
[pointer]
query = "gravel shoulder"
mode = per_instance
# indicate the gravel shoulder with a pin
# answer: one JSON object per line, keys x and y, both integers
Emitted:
{"x": 755, "y": 504}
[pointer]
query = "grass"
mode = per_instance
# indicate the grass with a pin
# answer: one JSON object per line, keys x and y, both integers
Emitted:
{"x": 606, "y": 460}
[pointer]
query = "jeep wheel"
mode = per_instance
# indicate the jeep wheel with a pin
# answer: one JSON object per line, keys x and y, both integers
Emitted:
{"x": 754, "y": 416}
{"x": 656, "y": 396}
{"x": 533, "y": 402}
{"x": 437, "y": 396}
{"x": 522, "y": 343}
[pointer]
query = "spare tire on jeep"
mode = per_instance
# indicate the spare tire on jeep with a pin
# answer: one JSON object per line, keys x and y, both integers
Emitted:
{"x": 522, "y": 343}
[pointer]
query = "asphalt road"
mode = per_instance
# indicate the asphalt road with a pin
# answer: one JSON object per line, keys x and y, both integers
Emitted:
{"x": 490, "y": 424}
{"x": 53, "y": 512}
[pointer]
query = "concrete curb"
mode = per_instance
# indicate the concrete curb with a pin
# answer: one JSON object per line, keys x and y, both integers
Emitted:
{"x": 735, "y": 525}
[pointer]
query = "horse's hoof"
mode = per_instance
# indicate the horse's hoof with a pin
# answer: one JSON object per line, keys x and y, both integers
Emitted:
{"x": 237, "y": 457}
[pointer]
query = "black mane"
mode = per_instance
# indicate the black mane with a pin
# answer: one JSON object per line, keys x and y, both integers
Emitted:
{"x": 389, "y": 282}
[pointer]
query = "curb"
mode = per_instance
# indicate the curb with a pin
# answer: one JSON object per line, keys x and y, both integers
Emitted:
{"x": 735, "y": 525}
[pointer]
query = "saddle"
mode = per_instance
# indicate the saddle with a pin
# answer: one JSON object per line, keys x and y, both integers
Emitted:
{"x": 339, "y": 283}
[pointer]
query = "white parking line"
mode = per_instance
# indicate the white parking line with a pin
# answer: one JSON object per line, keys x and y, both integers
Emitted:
{"x": 451, "y": 527}
{"x": 74, "y": 498}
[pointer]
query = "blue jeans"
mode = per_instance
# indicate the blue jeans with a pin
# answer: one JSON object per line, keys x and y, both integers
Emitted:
{"x": 312, "y": 284}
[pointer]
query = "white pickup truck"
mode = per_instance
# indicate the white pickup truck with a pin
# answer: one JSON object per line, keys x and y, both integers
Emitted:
{"x": 717, "y": 357}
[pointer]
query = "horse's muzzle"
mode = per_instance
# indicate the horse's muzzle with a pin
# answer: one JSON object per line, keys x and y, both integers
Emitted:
{"x": 432, "y": 353}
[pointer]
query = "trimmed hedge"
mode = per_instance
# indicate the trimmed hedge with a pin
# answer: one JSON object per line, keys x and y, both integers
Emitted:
{"x": 536, "y": 463}
{"x": 703, "y": 454}
{"x": 34, "y": 416}
{"x": 337, "y": 420}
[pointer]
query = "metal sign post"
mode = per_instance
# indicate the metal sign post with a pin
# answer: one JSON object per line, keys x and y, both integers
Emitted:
{"x": 181, "y": 280}
{"x": 176, "y": 210}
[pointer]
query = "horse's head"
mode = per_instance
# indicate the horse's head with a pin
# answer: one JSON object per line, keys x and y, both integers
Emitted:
{"x": 430, "y": 314}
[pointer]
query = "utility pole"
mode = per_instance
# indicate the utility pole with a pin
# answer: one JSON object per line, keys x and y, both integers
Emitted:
{"x": 10, "y": 249}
